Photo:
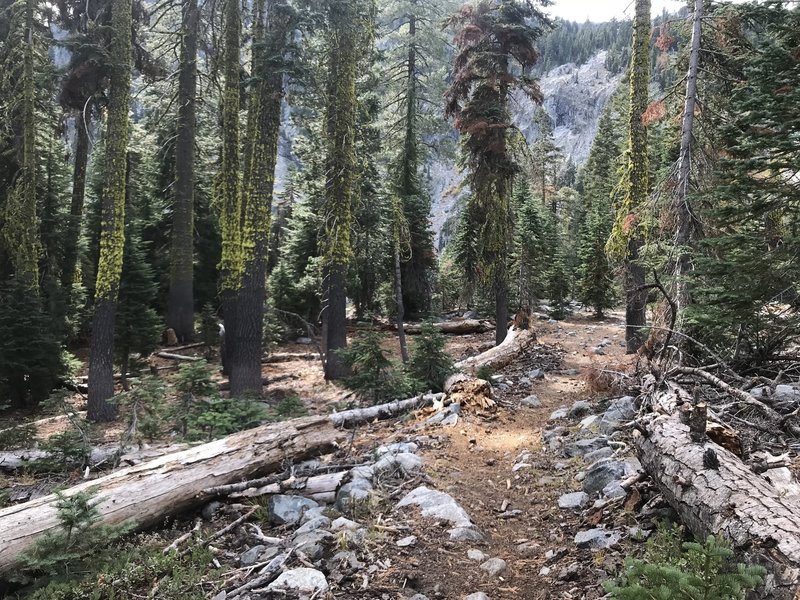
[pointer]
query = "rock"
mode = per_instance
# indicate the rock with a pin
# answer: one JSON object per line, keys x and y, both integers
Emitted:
{"x": 783, "y": 394}
{"x": 614, "y": 490}
{"x": 581, "y": 408}
{"x": 465, "y": 534}
{"x": 569, "y": 573}
{"x": 344, "y": 524}
{"x": 618, "y": 412}
{"x": 289, "y": 510}
{"x": 418, "y": 597}
{"x": 591, "y": 423}
{"x": 524, "y": 380}
{"x": 301, "y": 579}
{"x": 557, "y": 431}
{"x": 398, "y": 465}
{"x": 210, "y": 510}
{"x": 494, "y": 566}
{"x": 475, "y": 554}
{"x": 312, "y": 543}
{"x": 443, "y": 414}
{"x": 584, "y": 447}
{"x": 407, "y": 541}
{"x": 436, "y": 505}
{"x": 527, "y": 549}
{"x": 580, "y": 475}
{"x": 574, "y": 500}
{"x": 531, "y": 401}
{"x": 494, "y": 379}
{"x": 305, "y": 341}
{"x": 519, "y": 466}
{"x": 344, "y": 559}
{"x": 598, "y": 350}
{"x": 398, "y": 448}
{"x": 477, "y": 596}
{"x": 311, "y": 514}
{"x": 596, "y": 539}
{"x": 536, "y": 374}
{"x": 452, "y": 419}
{"x": 250, "y": 557}
{"x": 601, "y": 473}
{"x": 544, "y": 571}
{"x": 363, "y": 472}
{"x": 270, "y": 553}
{"x": 600, "y": 453}
{"x": 561, "y": 413}
{"x": 353, "y": 495}
{"x": 320, "y": 522}
{"x": 470, "y": 314}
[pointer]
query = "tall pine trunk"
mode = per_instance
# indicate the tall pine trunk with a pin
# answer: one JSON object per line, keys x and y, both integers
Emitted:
{"x": 345, "y": 30}
{"x": 112, "y": 220}
{"x": 72, "y": 235}
{"x": 637, "y": 184}
{"x": 229, "y": 198}
{"x": 180, "y": 308}
{"x": 272, "y": 27}
{"x": 683, "y": 213}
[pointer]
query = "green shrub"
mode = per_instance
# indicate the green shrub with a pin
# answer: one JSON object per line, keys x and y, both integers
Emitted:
{"x": 689, "y": 571}
{"x": 18, "y": 436}
{"x": 429, "y": 363}
{"x": 209, "y": 330}
{"x": 290, "y": 407}
{"x": 485, "y": 372}
{"x": 217, "y": 417}
{"x": 375, "y": 378}
{"x": 146, "y": 407}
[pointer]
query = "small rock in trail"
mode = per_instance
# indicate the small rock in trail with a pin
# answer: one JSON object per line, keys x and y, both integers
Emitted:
{"x": 494, "y": 566}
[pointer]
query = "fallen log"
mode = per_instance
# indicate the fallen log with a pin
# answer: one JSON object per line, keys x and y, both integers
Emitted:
{"x": 279, "y": 357}
{"x": 714, "y": 492}
{"x": 146, "y": 493}
{"x": 498, "y": 357}
{"x": 464, "y": 327}
{"x": 321, "y": 488}
{"x": 173, "y": 356}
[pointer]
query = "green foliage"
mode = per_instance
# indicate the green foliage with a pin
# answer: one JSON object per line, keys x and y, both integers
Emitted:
{"x": 202, "y": 414}
{"x": 131, "y": 570}
{"x": 484, "y": 372}
{"x": 429, "y": 363}
{"x": 68, "y": 449}
{"x": 209, "y": 329}
{"x": 533, "y": 248}
{"x": 559, "y": 283}
{"x": 145, "y": 402}
{"x": 688, "y": 571}
{"x": 375, "y": 378}
{"x": 31, "y": 361}
{"x": 274, "y": 331}
{"x": 290, "y": 407}
{"x": 75, "y": 545}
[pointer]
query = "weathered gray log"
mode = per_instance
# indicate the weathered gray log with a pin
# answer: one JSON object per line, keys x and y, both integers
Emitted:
{"x": 321, "y": 488}
{"x": 279, "y": 357}
{"x": 173, "y": 356}
{"x": 498, "y": 357}
{"x": 464, "y": 327}
{"x": 146, "y": 493}
{"x": 728, "y": 500}
{"x": 348, "y": 418}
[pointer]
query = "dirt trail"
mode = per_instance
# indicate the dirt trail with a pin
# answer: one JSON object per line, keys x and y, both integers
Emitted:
{"x": 476, "y": 469}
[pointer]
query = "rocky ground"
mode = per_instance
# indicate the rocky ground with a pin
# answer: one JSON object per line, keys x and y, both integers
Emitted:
{"x": 541, "y": 498}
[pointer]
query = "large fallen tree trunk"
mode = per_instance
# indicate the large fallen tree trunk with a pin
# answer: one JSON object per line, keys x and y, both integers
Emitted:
{"x": 464, "y": 327}
{"x": 714, "y": 492}
{"x": 498, "y": 357}
{"x": 144, "y": 494}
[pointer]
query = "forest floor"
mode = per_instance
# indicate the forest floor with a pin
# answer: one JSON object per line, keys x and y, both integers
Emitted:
{"x": 496, "y": 465}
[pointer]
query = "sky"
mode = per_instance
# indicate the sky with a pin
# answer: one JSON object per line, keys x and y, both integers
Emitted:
{"x": 604, "y": 10}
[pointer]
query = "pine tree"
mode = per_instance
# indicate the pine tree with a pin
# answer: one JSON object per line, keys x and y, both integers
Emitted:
{"x": 532, "y": 250}
{"x": 627, "y": 234}
{"x": 492, "y": 36}
{"x": 112, "y": 232}
{"x": 180, "y": 308}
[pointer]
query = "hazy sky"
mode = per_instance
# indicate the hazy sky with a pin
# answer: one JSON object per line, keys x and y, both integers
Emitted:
{"x": 604, "y": 10}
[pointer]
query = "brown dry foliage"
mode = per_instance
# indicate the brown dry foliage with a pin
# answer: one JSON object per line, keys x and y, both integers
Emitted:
{"x": 608, "y": 381}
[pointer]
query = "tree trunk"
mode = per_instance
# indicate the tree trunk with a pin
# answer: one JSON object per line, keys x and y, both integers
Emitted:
{"x": 335, "y": 320}
{"x": 730, "y": 500}
{"x": 498, "y": 357}
{"x": 112, "y": 225}
{"x": 73, "y": 232}
{"x": 101, "y": 363}
{"x": 683, "y": 213}
{"x": 146, "y": 493}
{"x": 398, "y": 294}
{"x": 635, "y": 298}
{"x": 501, "y": 308}
{"x": 180, "y": 304}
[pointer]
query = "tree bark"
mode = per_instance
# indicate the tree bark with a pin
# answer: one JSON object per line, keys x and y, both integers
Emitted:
{"x": 498, "y": 357}
{"x": 335, "y": 323}
{"x": 730, "y": 501}
{"x": 180, "y": 304}
{"x": 501, "y": 307}
{"x": 683, "y": 213}
{"x": 464, "y": 327}
{"x": 112, "y": 226}
{"x": 73, "y": 232}
{"x": 398, "y": 294}
{"x": 635, "y": 298}
{"x": 146, "y": 493}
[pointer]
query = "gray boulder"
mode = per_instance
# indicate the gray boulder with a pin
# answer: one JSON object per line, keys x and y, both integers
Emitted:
{"x": 581, "y": 408}
{"x": 397, "y": 465}
{"x": 353, "y": 495}
{"x": 477, "y": 596}
{"x": 595, "y": 455}
{"x": 494, "y": 566}
{"x": 250, "y": 557}
{"x": 618, "y": 412}
{"x": 584, "y": 447}
{"x": 312, "y": 543}
{"x": 561, "y": 413}
{"x": 596, "y": 539}
{"x": 301, "y": 580}
{"x": 320, "y": 522}
{"x": 288, "y": 510}
{"x": 601, "y": 473}
{"x": 531, "y": 401}
{"x": 574, "y": 500}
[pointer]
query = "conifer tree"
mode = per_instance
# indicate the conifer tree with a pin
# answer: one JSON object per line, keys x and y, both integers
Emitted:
{"x": 180, "y": 307}
{"x": 112, "y": 226}
{"x": 492, "y": 36}
{"x": 627, "y": 235}
{"x": 532, "y": 248}
{"x": 350, "y": 24}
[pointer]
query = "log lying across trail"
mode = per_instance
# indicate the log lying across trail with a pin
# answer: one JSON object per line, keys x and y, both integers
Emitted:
{"x": 144, "y": 494}
{"x": 498, "y": 357}
{"x": 714, "y": 492}
{"x": 464, "y": 327}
